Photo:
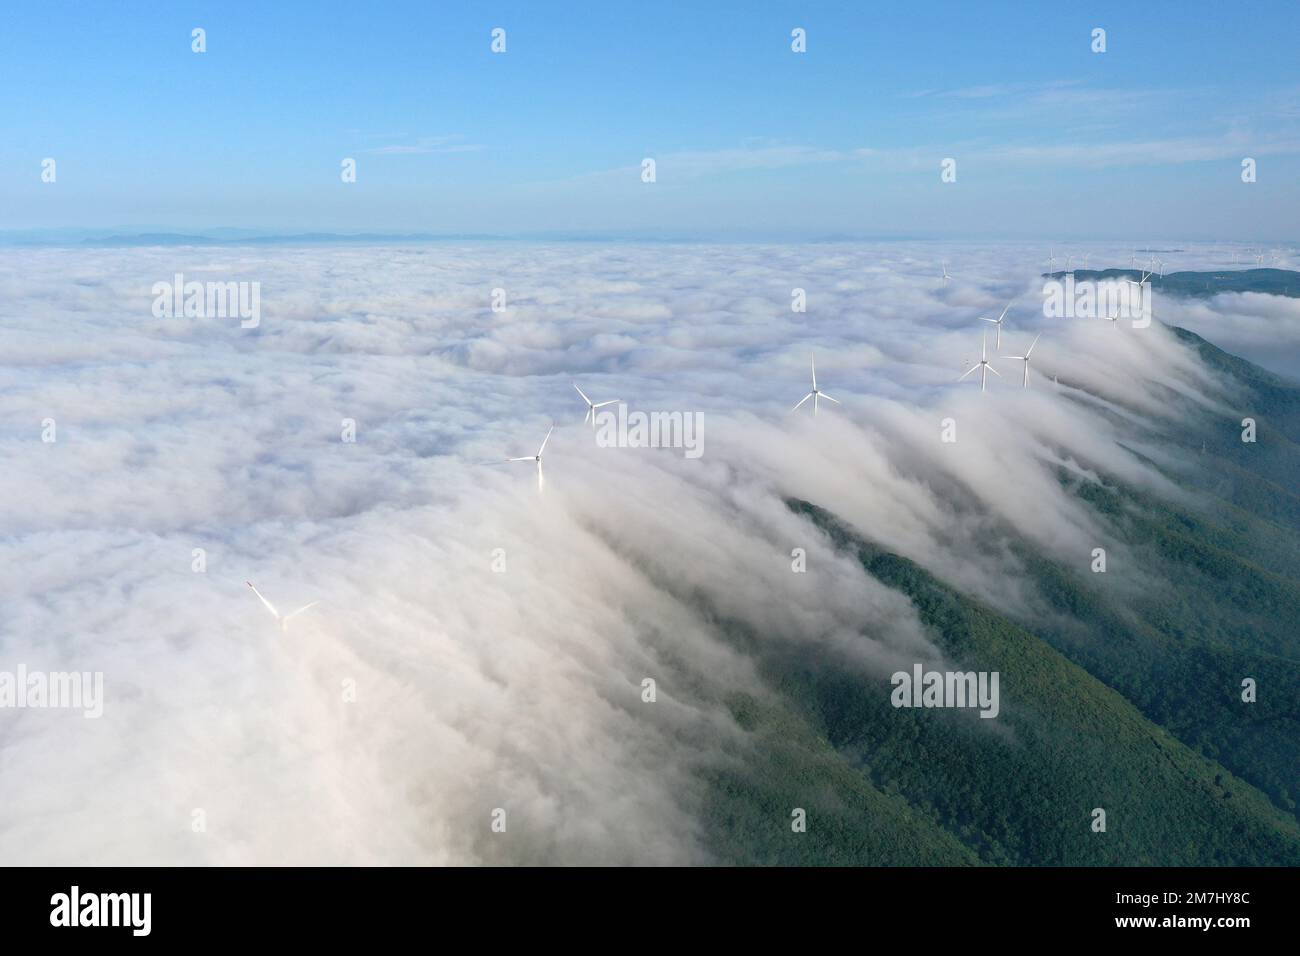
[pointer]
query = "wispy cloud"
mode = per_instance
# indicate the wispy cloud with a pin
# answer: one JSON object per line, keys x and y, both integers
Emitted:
{"x": 1092, "y": 154}
{"x": 703, "y": 162}
{"x": 694, "y": 164}
{"x": 985, "y": 91}
{"x": 426, "y": 145}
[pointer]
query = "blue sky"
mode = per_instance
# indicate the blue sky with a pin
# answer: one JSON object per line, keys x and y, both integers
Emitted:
{"x": 750, "y": 139}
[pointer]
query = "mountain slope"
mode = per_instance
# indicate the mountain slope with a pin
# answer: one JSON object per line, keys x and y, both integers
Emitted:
{"x": 1025, "y": 796}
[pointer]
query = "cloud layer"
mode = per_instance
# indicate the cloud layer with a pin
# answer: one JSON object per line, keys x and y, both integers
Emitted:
{"x": 496, "y": 639}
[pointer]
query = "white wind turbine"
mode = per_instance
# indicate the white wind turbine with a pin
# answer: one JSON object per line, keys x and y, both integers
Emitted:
{"x": 1138, "y": 283}
{"x": 983, "y": 364}
{"x": 816, "y": 392}
{"x": 998, "y": 323}
{"x": 1025, "y": 358}
{"x": 1051, "y": 259}
{"x": 1069, "y": 270}
{"x": 1145, "y": 276}
{"x": 537, "y": 458}
{"x": 946, "y": 277}
{"x": 592, "y": 406}
{"x": 282, "y": 619}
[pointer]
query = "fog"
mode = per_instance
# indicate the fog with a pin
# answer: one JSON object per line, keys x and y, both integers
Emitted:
{"x": 481, "y": 644}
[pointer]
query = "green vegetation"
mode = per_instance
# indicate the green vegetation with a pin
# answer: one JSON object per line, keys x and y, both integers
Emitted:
{"x": 1202, "y": 285}
{"x": 1125, "y": 695}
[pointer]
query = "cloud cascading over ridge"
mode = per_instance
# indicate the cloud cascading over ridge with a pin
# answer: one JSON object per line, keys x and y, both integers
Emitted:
{"x": 520, "y": 689}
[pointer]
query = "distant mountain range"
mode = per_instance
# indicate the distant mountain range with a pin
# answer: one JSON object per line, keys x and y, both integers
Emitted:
{"x": 1202, "y": 284}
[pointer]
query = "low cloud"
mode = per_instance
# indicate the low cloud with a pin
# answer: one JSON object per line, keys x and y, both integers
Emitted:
{"x": 520, "y": 688}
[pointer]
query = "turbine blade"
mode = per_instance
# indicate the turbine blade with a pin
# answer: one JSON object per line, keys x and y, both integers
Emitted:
{"x": 612, "y": 401}
{"x": 544, "y": 441}
{"x": 582, "y": 393}
{"x": 802, "y": 400}
{"x": 829, "y": 399}
{"x": 1030, "y": 351}
{"x": 968, "y": 371}
{"x": 305, "y": 607}
{"x": 993, "y": 370}
{"x": 269, "y": 606}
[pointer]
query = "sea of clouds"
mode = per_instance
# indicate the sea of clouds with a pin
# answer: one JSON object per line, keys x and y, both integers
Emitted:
{"x": 478, "y": 688}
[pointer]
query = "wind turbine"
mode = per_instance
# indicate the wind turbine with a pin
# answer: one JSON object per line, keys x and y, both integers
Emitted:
{"x": 1025, "y": 358}
{"x": 946, "y": 277}
{"x": 983, "y": 364}
{"x": 816, "y": 393}
{"x": 1051, "y": 259}
{"x": 1133, "y": 259}
{"x": 1068, "y": 269}
{"x": 998, "y": 322}
{"x": 283, "y": 619}
{"x": 592, "y": 406}
{"x": 1138, "y": 282}
{"x": 538, "y": 457}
